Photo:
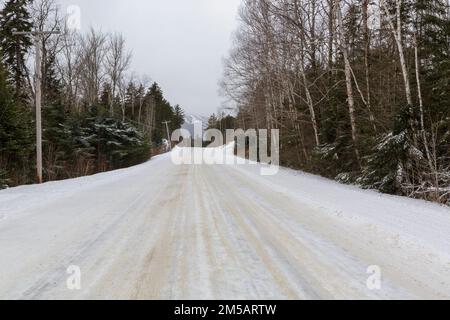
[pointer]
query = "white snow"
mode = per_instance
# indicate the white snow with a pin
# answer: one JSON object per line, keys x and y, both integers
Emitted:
{"x": 412, "y": 220}
{"x": 194, "y": 122}
{"x": 160, "y": 230}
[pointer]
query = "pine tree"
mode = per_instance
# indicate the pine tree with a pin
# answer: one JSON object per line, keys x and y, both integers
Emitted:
{"x": 433, "y": 28}
{"x": 213, "y": 122}
{"x": 178, "y": 117}
{"x": 395, "y": 160}
{"x": 15, "y": 135}
{"x": 15, "y": 17}
{"x": 105, "y": 99}
{"x": 117, "y": 144}
{"x": 131, "y": 101}
{"x": 56, "y": 138}
{"x": 51, "y": 85}
{"x": 163, "y": 112}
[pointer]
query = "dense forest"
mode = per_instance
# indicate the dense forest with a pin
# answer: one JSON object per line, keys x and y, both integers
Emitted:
{"x": 97, "y": 114}
{"x": 359, "y": 89}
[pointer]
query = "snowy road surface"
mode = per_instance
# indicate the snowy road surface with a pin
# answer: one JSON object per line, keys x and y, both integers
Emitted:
{"x": 204, "y": 232}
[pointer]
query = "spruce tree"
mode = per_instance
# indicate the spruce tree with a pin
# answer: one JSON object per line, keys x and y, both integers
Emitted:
{"x": 15, "y": 134}
{"x": 163, "y": 112}
{"x": 390, "y": 165}
{"x": 130, "y": 101}
{"x": 15, "y": 17}
{"x": 433, "y": 28}
{"x": 213, "y": 122}
{"x": 178, "y": 117}
{"x": 57, "y": 141}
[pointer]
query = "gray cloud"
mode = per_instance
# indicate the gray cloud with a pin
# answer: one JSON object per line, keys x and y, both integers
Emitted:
{"x": 178, "y": 43}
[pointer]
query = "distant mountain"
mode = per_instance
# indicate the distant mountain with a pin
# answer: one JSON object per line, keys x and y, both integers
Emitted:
{"x": 190, "y": 120}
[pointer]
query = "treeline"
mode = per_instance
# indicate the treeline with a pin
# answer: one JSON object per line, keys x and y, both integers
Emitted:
{"x": 222, "y": 122}
{"x": 360, "y": 90}
{"x": 97, "y": 115}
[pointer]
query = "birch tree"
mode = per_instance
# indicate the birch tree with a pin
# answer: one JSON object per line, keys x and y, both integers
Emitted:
{"x": 117, "y": 62}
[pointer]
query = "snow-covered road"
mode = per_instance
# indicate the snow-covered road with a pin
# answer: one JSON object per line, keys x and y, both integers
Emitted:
{"x": 160, "y": 231}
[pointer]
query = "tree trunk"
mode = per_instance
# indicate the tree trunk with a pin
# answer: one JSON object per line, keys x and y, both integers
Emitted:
{"x": 365, "y": 8}
{"x": 397, "y": 32}
{"x": 433, "y": 168}
{"x": 348, "y": 82}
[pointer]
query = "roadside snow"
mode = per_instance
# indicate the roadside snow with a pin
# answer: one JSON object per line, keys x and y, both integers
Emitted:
{"x": 166, "y": 231}
{"x": 412, "y": 221}
{"x": 18, "y": 200}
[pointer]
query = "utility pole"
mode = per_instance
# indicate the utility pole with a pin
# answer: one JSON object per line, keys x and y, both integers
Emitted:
{"x": 168, "y": 134}
{"x": 38, "y": 37}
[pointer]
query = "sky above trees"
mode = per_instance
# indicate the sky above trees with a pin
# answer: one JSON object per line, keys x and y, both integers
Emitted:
{"x": 179, "y": 43}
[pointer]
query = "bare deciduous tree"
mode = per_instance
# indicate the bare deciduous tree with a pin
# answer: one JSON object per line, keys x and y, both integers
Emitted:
{"x": 116, "y": 63}
{"x": 91, "y": 67}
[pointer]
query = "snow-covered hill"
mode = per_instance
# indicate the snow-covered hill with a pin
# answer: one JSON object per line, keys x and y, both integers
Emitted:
{"x": 190, "y": 120}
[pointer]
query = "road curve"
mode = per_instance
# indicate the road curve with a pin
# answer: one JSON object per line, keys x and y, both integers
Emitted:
{"x": 161, "y": 231}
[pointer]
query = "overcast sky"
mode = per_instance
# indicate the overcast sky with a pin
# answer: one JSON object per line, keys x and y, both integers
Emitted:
{"x": 178, "y": 43}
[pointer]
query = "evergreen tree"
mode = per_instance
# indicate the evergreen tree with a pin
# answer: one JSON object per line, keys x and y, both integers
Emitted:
{"x": 15, "y": 17}
{"x": 163, "y": 112}
{"x": 57, "y": 142}
{"x": 213, "y": 122}
{"x": 178, "y": 117}
{"x": 15, "y": 135}
{"x": 76, "y": 141}
{"x": 117, "y": 144}
{"x": 130, "y": 101}
{"x": 105, "y": 99}
{"x": 396, "y": 157}
{"x": 51, "y": 84}
{"x": 433, "y": 33}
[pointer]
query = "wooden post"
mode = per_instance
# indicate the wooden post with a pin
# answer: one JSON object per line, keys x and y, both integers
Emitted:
{"x": 38, "y": 94}
{"x": 38, "y": 102}
{"x": 168, "y": 135}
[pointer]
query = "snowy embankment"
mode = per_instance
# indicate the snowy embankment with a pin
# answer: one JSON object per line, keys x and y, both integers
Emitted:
{"x": 413, "y": 222}
{"x": 17, "y": 200}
